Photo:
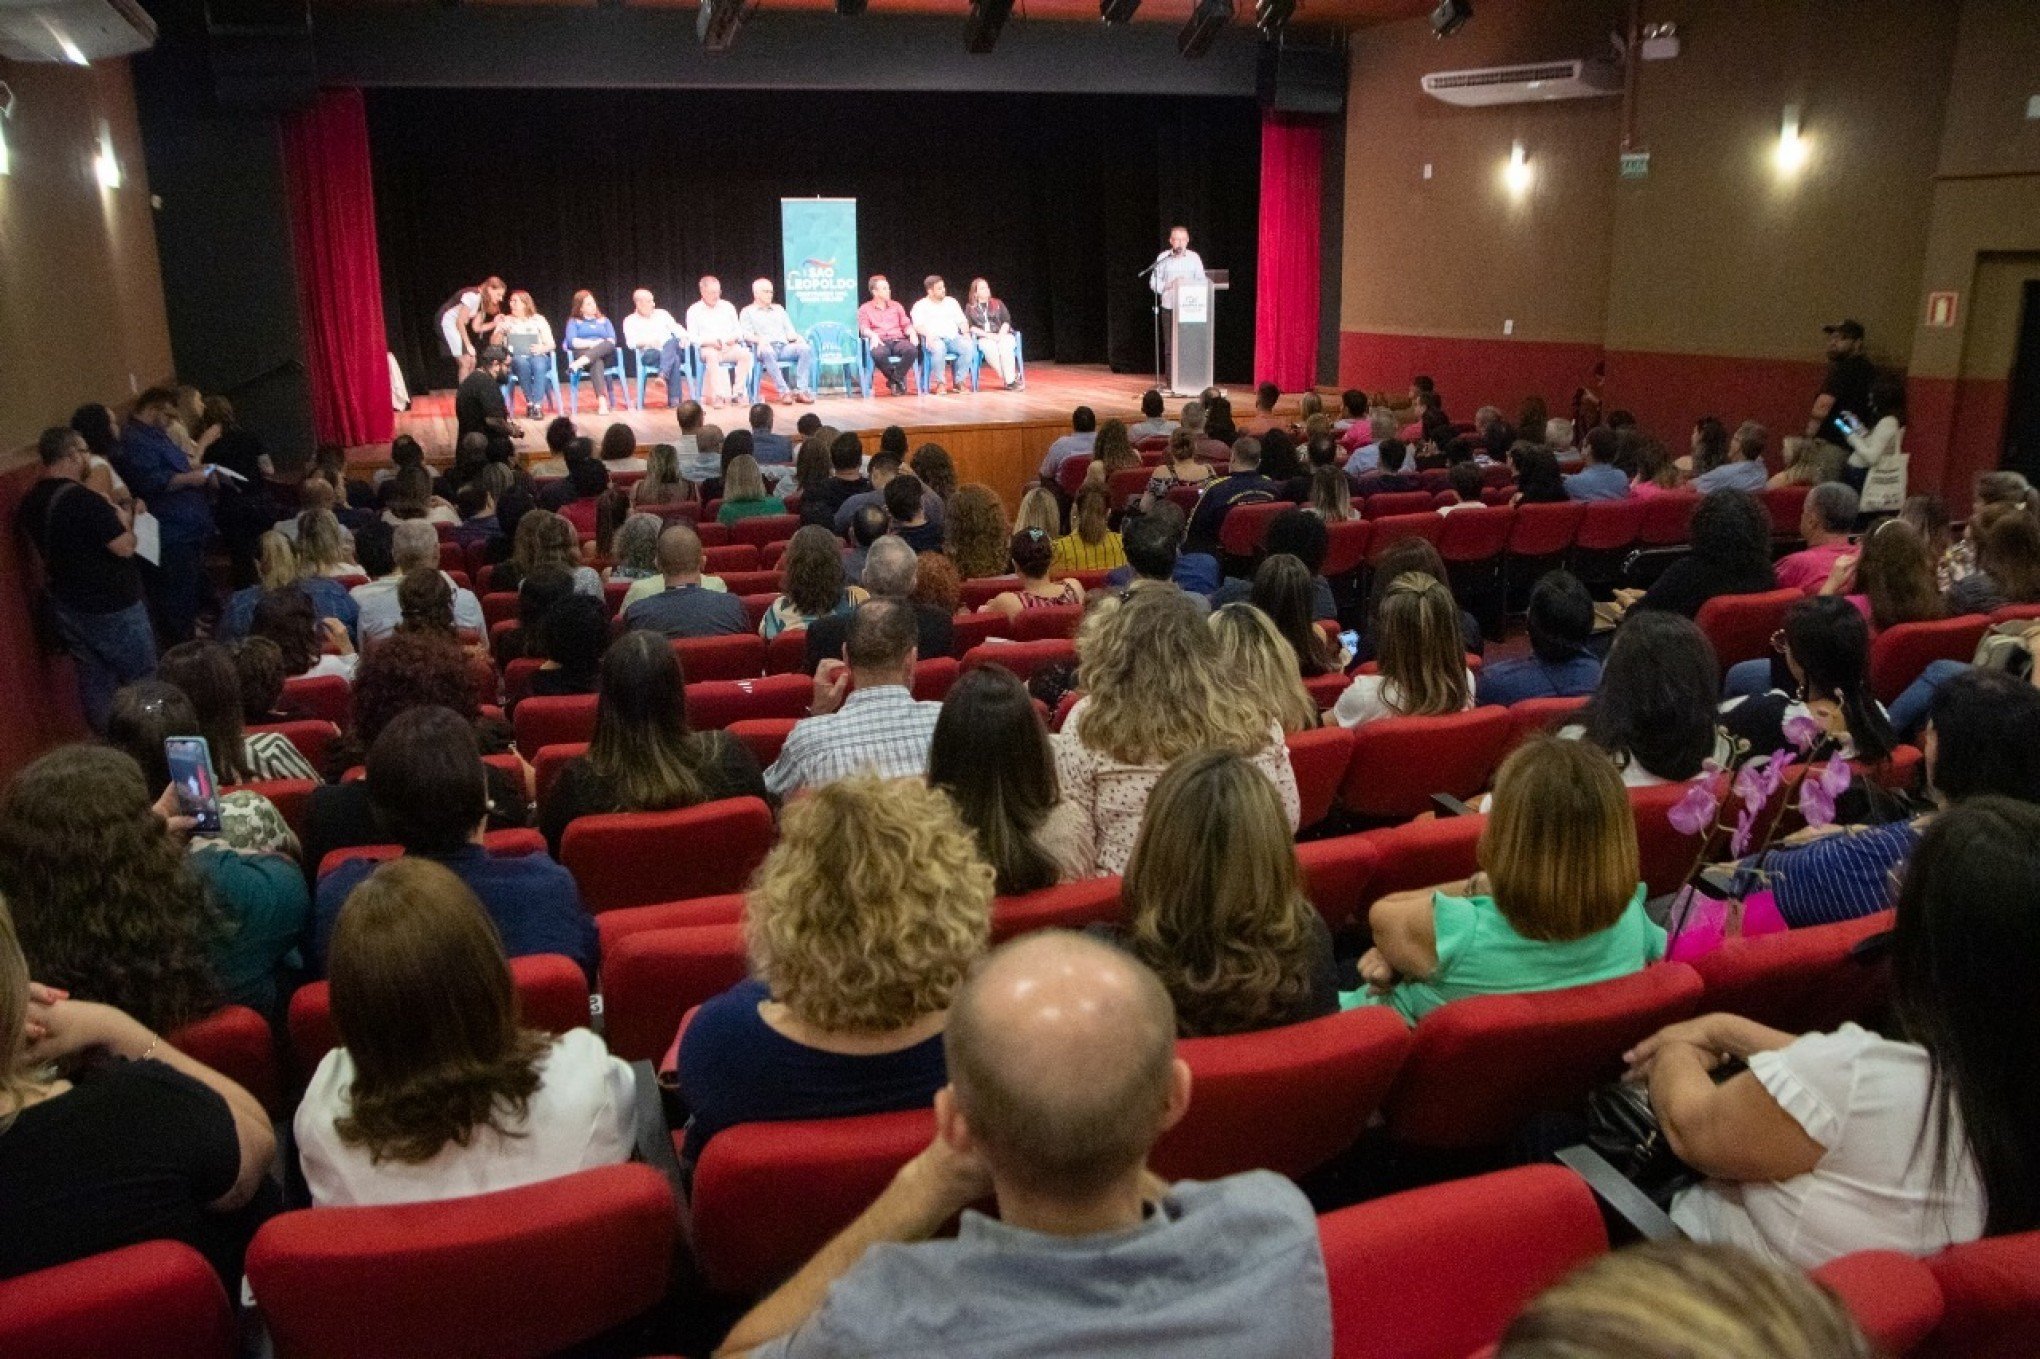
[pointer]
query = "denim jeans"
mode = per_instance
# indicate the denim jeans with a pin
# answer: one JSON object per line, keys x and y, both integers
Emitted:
{"x": 955, "y": 347}
{"x": 1910, "y": 708}
{"x": 535, "y": 375}
{"x": 108, "y": 650}
{"x": 799, "y": 354}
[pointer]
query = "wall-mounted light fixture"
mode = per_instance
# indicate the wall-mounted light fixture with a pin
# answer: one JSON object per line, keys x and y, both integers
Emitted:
{"x": 6, "y": 115}
{"x": 1793, "y": 149}
{"x": 1517, "y": 174}
{"x": 104, "y": 165}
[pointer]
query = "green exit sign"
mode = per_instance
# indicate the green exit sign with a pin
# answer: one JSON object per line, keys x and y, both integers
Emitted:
{"x": 1636, "y": 164}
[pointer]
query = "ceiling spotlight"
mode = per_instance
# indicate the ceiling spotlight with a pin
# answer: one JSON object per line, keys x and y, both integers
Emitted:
{"x": 1272, "y": 16}
{"x": 1450, "y": 16}
{"x": 1117, "y": 11}
{"x": 1792, "y": 152}
{"x": 981, "y": 30}
{"x": 717, "y": 23}
{"x": 1517, "y": 174}
{"x": 1205, "y": 21}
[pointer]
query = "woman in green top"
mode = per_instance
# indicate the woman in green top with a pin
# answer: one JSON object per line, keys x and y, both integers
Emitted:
{"x": 744, "y": 492}
{"x": 1558, "y": 901}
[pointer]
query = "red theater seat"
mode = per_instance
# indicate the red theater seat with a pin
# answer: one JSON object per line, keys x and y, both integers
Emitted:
{"x": 1545, "y": 530}
{"x": 745, "y": 1238}
{"x": 292, "y": 799}
{"x": 509, "y": 843}
{"x": 763, "y": 736}
{"x": 1399, "y": 762}
{"x": 312, "y": 738}
{"x": 1346, "y": 547}
{"x": 1048, "y": 623}
{"x": 1609, "y": 525}
{"x": 1387, "y": 504}
{"x": 236, "y": 1042}
{"x": 1894, "y": 1298}
{"x": 637, "y": 858}
{"x": 326, "y": 698}
{"x": 517, "y": 679}
{"x": 1665, "y": 852}
{"x": 1424, "y": 524}
{"x": 1324, "y": 690}
{"x": 159, "y": 1299}
{"x": 738, "y": 556}
{"x": 1740, "y": 626}
{"x": 714, "y": 704}
{"x": 1287, "y": 1099}
{"x": 1481, "y": 1067}
{"x": 1990, "y": 1292}
{"x": 1471, "y": 537}
{"x": 785, "y": 654}
{"x": 1022, "y": 658}
{"x": 752, "y": 581}
{"x": 1068, "y": 906}
{"x": 552, "y": 995}
{"x": 721, "y": 658}
{"x": 1900, "y": 654}
{"x": 1667, "y": 519}
{"x": 984, "y": 589}
{"x": 1533, "y": 715}
{"x": 547, "y": 721}
{"x": 1319, "y": 757}
{"x": 1438, "y": 1273}
{"x": 499, "y": 606}
{"x": 550, "y": 760}
{"x": 528, "y": 1271}
{"x": 762, "y": 529}
{"x": 1784, "y": 504}
{"x": 971, "y": 630}
{"x": 652, "y": 978}
{"x": 1244, "y": 526}
{"x": 1420, "y": 854}
{"x": 934, "y": 676}
{"x": 1070, "y": 476}
{"x": 615, "y": 926}
{"x": 1801, "y": 981}
{"x": 1338, "y": 875}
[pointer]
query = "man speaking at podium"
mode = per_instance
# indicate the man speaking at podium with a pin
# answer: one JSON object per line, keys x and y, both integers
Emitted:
{"x": 1179, "y": 263}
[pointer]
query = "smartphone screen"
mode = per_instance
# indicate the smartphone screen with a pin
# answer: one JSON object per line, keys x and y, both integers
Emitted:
{"x": 191, "y": 773}
{"x": 1350, "y": 640}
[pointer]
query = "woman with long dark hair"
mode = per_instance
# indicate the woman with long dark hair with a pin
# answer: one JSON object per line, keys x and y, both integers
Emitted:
{"x": 1825, "y": 647}
{"x": 990, "y": 754}
{"x": 1284, "y": 590}
{"x": 644, "y": 758}
{"x": 205, "y": 672}
{"x": 815, "y": 583}
{"x": 1849, "y": 1141}
{"x": 1656, "y": 711}
{"x": 1731, "y": 556}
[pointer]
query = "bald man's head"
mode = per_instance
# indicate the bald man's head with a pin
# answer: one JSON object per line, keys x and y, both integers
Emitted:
{"x": 1062, "y": 1061}
{"x": 679, "y": 550}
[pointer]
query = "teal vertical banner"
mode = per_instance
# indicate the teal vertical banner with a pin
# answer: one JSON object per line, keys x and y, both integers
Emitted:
{"x": 819, "y": 236}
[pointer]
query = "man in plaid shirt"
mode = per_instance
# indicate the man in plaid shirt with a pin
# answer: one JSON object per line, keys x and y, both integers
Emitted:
{"x": 866, "y": 719}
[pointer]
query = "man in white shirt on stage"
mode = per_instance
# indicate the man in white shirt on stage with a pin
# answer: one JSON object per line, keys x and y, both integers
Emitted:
{"x": 651, "y": 326}
{"x": 767, "y": 326}
{"x": 719, "y": 339}
{"x": 1178, "y": 264}
{"x": 945, "y": 335}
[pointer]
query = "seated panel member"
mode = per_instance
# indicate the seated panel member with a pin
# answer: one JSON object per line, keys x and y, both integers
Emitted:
{"x": 991, "y": 330}
{"x": 719, "y": 339}
{"x": 651, "y": 326}
{"x": 944, "y": 334}
{"x": 590, "y": 342}
{"x": 895, "y": 346}
{"x": 767, "y": 327}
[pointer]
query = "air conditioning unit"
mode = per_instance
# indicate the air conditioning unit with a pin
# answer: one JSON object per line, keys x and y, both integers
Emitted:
{"x": 75, "y": 31}
{"x": 1531, "y": 84}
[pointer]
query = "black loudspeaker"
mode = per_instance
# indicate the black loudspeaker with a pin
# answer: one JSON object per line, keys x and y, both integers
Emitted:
{"x": 1303, "y": 74}
{"x": 260, "y": 52}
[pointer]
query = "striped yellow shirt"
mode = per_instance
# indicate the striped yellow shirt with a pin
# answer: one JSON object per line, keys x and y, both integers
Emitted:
{"x": 1074, "y": 554}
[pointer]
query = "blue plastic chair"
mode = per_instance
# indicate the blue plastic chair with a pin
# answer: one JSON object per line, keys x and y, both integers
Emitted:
{"x": 615, "y": 372}
{"x": 839, "y": 347}
{"x": 968, "y": 363}
{"x": 647, "y": 361}
{"x": 552, "y": 388}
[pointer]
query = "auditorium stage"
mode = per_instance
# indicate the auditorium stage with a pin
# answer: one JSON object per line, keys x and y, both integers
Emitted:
{"x": 996, "y": 437}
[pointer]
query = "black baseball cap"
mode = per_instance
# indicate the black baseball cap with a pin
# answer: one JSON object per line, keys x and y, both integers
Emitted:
{"x": 1848, "y": 330}
{"x": 496, "y": 353}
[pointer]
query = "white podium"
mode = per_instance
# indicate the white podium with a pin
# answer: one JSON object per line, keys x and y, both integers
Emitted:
{"x": 1193, "y": 320}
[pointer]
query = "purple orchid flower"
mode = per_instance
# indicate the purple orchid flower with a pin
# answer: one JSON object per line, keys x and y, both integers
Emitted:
{"x": 1803, "y": 731}
{"x": 1695, "y": 812}
{"x": 1745, "y": 822}
{"x": 1817, "y": 794}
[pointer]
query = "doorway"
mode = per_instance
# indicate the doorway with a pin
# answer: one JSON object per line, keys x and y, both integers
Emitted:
{"x": 2022, "y": 408}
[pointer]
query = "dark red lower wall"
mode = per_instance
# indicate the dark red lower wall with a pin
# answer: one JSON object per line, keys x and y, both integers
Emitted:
{"x": 1954, "y": 434}
{"x": 38, "y": 698}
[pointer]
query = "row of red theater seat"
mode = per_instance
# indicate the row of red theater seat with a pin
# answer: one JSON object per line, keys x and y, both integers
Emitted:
{"x": 1434, "y": 1273}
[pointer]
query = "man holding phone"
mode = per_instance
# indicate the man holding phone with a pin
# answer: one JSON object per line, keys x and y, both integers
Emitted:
{"x": 1846, "y": 393}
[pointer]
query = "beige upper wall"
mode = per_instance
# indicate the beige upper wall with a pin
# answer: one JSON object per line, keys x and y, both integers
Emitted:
{"x": 1997, "y": 69}
{"x": 81, "y": 298}
{"x": 1456, "y": 255}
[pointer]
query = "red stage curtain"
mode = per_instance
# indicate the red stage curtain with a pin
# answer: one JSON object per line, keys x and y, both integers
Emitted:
{"x": 339, "y": 276}
{"x": 1286, "y": 306}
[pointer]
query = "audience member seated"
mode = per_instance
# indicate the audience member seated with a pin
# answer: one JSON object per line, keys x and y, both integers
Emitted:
{"x": 1560, "y": 619}
{"x": 576, "y": 635}
{"x": 1652, "y": 472}
{"x": 537, "y": 593}
{"x": 977, "y": 537}
{"x": 1891, "y": 578}
{"x": 1033, "y": 555}
{"x": 634, "y": 552}
{"x": 937, "y": 587}
{"x": 430, "y": 794}
{"x": 883, "y": 467}
{"x": 1958, "y": 561}
{"x": 1153, "y": 554}
{"x": 1825, "y": 521}
{"x": 1825, "y": 645}
{"x": 1215, "y": 907}
{"x": 865, "y": 716}
{"x": 1538, "y": 479}
{"x": 1848, "y": 1141}
{"x": 819, "y": 503}
{"x": 890, "y": 571}
{"x": 990, "y": 754}
{"x": 1084, "y": 1230}
{"x": 588, "y": 482}
{"x": 643, "y": 757}
{"x": 1365, "y": 439}
{"x": 1243, "y": 484}
{"x": 258, "y": 669}
{"x": 1283, "y": 589}
{"x": 112, "y": 1137}
{"x": 407, "y": 497}
{"x": 1330, "y": 496}
{"x": 1402, "y": 557}
{"x": 908, "y": 515}
{"x": 1983, "y": 741}
{"x": 2007, "y": 543}
{"x": 1040, "y": 509}
{"x": 1422, "y": 667}
{"x": 744, "y": 495}
{"x": 1393, "y": 474}
{"x": 687, "y": 605}
{"x": 436, "y": 1091}
{"x": 1808, "y": 462}
{"x": 1153, "y": 423}
{"x": 414, "y": 546}
{"x": 545, "y": 539}
{"x": 1468, "y": 480}
{"x": 1599, "y": 478}
{"x": 1731, "y": 555}
{"x": 1301, "y": 534}
{"x": 1263, "y": 665}
{"x": 286, "y": 618}
{"x": 1186, "y": 465}
{"x": 1683, "y": 1300}
{"x": 662, "y": 483}
{"x": 1744, "y": 470}
{"x": 861, "y": 924}
{"x": 815, "y": 586}
{"x": 1657, "y": 710}
{"x": 1149, "y": 667}
{"x": 283, "y": 569}
{"x": 205, "y": 672}
{"x": 1558, "y": 901}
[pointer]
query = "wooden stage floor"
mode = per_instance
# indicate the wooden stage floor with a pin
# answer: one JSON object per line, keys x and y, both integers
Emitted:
{"x": 996, "y": 437}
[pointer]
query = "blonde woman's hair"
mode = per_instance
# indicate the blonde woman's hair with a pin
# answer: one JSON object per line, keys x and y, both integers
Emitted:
{"x": 1309, "y": 406}
{"x": 870, "y": 910}
{"x": 742, "y": 480}
{"x": 1559, "y": 849}
{"x": 320, "y": 547}
{"x": 1253, "y": 651}
{"x": 545, "y": 539}
{"x": 662, "y": 476}
{"x": 1213, "y": 898}
{"x": 1423, "y": 656}
{"x": 1685, "y": 1300}
{"x": 1156, "y": 689}
{"x": 1038, "y": 509}
{"x": 279, "y": 565}
{"x": 1091, "y": 514}
{"x": 1331, "y": 495}
{"x": 15, "y": 1078}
